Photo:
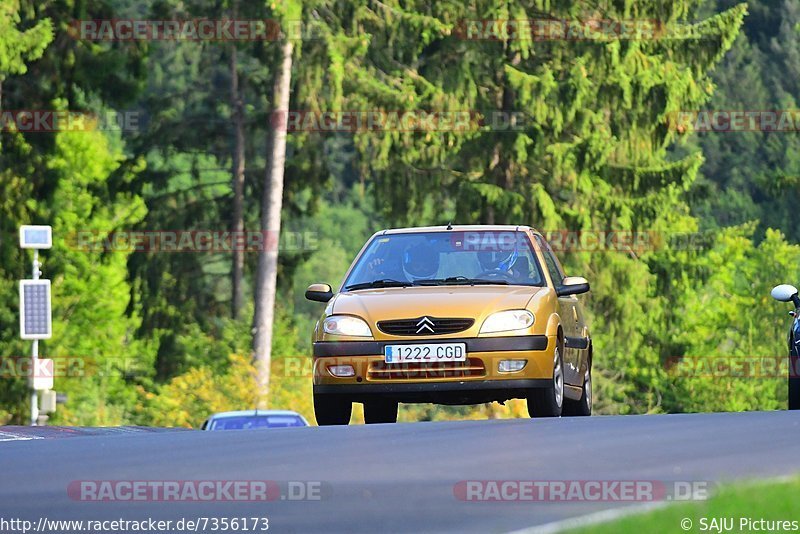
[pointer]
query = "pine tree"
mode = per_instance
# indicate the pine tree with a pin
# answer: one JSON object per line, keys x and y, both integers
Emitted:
{"x": 592, "y": 153}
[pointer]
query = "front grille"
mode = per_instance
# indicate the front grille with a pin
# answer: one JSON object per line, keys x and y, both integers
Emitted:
{"x": 424, "y": 326}
{"x": 473, "y": 367}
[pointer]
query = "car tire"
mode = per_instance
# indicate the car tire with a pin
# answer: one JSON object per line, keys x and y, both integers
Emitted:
{"x": 332, "y": 410}
{"x": 582, "y": 407}
{"x": 380, "y": 411}
{"x": 548, "y": 401}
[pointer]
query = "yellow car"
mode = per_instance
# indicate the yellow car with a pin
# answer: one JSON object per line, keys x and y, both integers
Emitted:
{"x": 452, "y": 315}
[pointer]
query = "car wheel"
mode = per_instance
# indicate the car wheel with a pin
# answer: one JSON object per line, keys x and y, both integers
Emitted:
{"x": 547, "y": 402}
{"x": 380, "y": 411}
{"x": 332, "y": 410}
{"x": 582, "y": 407}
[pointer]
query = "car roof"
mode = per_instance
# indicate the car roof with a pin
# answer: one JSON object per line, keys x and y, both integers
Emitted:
{"x": 243, "y": 413}
{"x": 458, "y": 228}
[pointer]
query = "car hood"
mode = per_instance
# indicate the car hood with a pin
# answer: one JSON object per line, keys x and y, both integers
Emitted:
{"x": 439, "y": 301}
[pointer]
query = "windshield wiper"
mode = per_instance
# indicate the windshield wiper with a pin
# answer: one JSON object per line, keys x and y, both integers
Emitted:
{"x": 383, "y": 282}
{"x": 450, "y": 280}
{"x": 459, "y": 280}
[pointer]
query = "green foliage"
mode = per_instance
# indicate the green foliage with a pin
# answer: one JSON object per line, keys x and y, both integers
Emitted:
{"x": 91, "y": 290}
{"x": 339, "y": 230}
{"x": 214, "y": 384}
{"x": 728, "y": 316}
{"x": 187, "y": 399}
{"x": 19, "y": 47}
{"x": 64, "y": 179}
{"x": 754, "y": 176}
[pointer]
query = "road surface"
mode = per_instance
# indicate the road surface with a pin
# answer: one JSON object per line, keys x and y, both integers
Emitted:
{"x": 391, "y": 478}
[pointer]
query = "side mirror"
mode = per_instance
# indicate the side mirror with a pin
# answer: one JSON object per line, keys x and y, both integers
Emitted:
{"x": 319, "y": 292}
{"x": 786, "y": 293}
{"x": 572, "y": 285}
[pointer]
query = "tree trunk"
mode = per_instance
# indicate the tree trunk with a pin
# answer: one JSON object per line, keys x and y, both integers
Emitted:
{"x": 237, "y": 171}
{"x": 500, "y": 164}
{"x": 271, "y": 204}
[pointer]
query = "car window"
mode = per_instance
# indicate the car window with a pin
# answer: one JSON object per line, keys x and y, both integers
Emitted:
{"x": 550, "y": 260}
{"x": 412, "y": 257}
{"x": 280, "y": 421}
{"x": 260, "y": 421}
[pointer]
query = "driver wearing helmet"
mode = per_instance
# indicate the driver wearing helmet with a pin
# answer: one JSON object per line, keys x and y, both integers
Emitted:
{"x": 420, "y": 261}
{"x": 498, "y": 261}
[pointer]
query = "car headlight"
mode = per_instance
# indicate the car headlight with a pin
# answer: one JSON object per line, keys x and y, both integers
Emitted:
{"x": 508, "y": 320}
{"x": 346, "y": 325}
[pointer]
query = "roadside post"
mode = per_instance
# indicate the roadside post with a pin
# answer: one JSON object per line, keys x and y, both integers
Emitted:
{"x": 35, "y": 313}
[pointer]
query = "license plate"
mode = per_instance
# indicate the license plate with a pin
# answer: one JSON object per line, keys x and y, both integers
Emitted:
{"x": 421, "y": 352}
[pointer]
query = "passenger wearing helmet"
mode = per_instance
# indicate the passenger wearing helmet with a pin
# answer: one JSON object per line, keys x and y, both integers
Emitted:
{"x": 421, "y": 261}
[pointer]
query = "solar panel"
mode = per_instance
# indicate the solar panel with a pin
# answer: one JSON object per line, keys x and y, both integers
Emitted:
{"x": 35, "y": 312}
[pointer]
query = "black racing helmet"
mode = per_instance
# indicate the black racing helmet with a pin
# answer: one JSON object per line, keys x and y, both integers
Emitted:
{"x": 421, "y": 261}
{"x": 491, "y": 260}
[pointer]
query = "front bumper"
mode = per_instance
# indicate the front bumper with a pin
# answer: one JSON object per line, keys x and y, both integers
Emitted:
{"x": 474, "y": 344}
{"x": 455, "y": 393}
{"x": 477, "y": 380}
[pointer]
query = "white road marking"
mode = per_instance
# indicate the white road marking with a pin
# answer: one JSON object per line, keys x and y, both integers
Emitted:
{"x": 6, "y": 436}
{"x": 602, "y": 516}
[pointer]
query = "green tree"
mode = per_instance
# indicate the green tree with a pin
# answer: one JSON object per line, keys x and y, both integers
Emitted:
{"x": 91, "y": 292}
{"x": 754, "y": 176}
{"x": 70, "y": 180}
{"x": 729, "y": 330}
{"x": 19, "y": 47}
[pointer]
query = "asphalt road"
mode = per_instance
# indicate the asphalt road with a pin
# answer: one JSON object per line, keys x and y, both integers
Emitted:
{"x": 394, "y": 478}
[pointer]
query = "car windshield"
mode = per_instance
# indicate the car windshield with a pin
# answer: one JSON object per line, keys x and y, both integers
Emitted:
{"x": 446, "y": 258}
{"x": 246, "y": 422}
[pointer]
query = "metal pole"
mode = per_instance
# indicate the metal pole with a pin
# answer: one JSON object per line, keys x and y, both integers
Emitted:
{"x": 34, "y": 396}
{"x": 35, "y": 351}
